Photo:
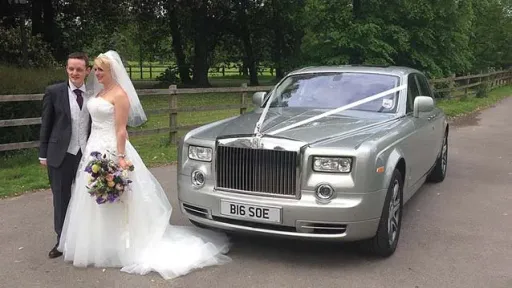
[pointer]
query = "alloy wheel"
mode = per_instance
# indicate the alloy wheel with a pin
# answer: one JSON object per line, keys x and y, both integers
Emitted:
{"x": 394, "y": 213}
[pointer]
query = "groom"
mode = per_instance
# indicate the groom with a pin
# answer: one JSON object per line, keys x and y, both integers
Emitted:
{"x": 65, "y": 128}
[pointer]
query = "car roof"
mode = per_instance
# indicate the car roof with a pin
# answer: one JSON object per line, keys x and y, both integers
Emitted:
{"x": 392, "y": 70}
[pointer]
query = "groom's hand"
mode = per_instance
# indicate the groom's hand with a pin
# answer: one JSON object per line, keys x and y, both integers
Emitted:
{"x": 43, "y": 162}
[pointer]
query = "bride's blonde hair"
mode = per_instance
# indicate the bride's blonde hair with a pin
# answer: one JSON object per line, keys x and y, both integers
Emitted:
{"x": 103, "y": 62}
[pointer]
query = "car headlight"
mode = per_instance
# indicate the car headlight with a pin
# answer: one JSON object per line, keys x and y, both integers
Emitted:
{"x": 332, "y": 164}
{"x": 200, "y": 153}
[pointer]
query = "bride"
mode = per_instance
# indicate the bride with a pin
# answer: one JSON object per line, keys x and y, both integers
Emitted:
{"x": 133, "y": 234}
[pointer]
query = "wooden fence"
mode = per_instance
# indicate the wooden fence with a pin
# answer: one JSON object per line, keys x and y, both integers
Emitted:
{"x": 457, "y": 87}
{"x": 152, "y": 71}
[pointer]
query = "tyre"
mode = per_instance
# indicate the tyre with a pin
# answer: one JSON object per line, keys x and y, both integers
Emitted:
{"x": 385, "y": 241}
{"x": 439, "y": 172}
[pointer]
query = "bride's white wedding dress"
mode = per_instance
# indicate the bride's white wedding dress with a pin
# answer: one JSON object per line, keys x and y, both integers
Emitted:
{"x": 134, "y": 234}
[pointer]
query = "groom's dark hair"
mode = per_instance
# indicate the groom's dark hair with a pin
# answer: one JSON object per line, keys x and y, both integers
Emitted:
{"x": 81, "y": 56}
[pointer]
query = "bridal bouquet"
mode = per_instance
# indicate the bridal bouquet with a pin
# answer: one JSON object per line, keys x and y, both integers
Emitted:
{"x": 107, "y": 180}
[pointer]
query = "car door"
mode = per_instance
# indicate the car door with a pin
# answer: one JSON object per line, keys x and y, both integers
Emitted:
{"x": 419, "y": 143}
{"x": 434, "y": 119}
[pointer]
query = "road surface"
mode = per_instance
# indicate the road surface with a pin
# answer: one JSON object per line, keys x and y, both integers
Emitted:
{"x": 455, "y": 234}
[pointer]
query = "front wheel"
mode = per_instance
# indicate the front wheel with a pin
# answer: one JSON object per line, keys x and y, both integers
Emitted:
{"x": 439, "y": 172}
{"x": 385, "y": 241}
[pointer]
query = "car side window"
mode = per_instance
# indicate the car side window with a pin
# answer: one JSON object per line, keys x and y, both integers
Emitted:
{"x": 424, "y": 86}
{"x": 412, "y": 92}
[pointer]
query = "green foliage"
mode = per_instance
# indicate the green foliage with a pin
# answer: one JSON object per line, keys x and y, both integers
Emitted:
{"x": 170, "y": 76}
{"x": 11, "y": 53}
{"x": 482, "y": 90}
{"x": 439, "y": 37}
{"x": 432, "y": 36}
{"x": 456, "y": 108}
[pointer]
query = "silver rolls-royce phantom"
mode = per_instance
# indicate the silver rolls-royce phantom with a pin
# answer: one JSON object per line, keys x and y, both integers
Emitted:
{"x": 329, "y": 153}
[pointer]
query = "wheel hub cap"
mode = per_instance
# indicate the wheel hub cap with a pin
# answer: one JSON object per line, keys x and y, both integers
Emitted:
{"x": 394, "y": 213}
{"x": 444, "y": 156}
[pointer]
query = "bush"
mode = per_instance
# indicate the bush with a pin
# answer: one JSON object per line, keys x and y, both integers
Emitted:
{"x": 169, "y": 76}
{"x": 39, "y": 54}
{"x": 482, "y": 90}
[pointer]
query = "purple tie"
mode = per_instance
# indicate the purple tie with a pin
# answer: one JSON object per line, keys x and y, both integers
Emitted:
{"x": 79, "y": 98}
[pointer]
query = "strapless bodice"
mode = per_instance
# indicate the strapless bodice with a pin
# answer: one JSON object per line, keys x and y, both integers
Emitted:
{"x": 103, "y": 129}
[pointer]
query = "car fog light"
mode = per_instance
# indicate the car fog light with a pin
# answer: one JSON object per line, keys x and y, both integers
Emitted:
{"x": 324, "y": 192}
{"x": 198, "y": 178}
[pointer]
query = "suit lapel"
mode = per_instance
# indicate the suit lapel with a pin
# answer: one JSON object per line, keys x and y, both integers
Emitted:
{"x": 65, "y": 95}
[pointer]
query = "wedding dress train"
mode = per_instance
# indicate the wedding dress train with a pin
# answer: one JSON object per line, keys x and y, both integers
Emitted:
{"x": 134, "y": 234}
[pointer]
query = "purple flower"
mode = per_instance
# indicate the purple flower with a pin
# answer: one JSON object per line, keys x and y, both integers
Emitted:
{"x": 100, "y": 200}
{"x": 96, "y": 154}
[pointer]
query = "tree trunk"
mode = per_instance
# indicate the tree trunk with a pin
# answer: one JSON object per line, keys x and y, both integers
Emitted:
{"x": 278, "y": 40}
{"x": 7, "y": 14}
{"x": 48, "y": 22}
{"x": 177, "y": 45}
{"x": 37, "y": 18}
{"x": 200, "y": 73}
{"x": 249, "y": 62}
{"x": 357, "y": 12}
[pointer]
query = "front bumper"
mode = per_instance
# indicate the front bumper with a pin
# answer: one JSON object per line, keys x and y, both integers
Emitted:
{"x": 348, "y": 217}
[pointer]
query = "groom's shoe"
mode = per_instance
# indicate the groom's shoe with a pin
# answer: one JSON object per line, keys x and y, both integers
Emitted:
{"x": 54, "y": 253}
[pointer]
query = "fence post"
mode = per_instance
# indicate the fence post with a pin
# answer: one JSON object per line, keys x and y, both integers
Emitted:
{"x": 466, "y": 89}
{"x": 173, "y": 121}
{"x": 451, "y": 85}
{"x": 243, "y": 102}
{"x": 150, "y": 71}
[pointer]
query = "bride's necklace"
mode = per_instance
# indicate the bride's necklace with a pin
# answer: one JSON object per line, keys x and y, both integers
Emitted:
{"x": 103, "y": 92}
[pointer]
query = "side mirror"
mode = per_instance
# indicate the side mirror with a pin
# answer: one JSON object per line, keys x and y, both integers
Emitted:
{"x": 423, "y": 104}
{"x": 257, "y": 98}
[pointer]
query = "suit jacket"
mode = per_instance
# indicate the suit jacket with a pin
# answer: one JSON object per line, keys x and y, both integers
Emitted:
{"x": 56, "y": 126}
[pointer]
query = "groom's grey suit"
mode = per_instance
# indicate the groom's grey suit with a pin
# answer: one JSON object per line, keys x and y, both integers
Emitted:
{"x": 65, "y": 129}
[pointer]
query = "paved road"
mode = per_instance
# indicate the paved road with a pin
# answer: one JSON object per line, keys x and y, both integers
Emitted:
{"x": 455, "y": 234}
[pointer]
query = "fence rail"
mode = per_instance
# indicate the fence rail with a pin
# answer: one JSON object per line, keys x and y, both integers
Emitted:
{"x": 457, "y": 87}
{"x": 152, "y": 71}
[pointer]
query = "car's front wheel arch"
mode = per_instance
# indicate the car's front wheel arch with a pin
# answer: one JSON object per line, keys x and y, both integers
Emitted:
{"x": 386, "y": 238}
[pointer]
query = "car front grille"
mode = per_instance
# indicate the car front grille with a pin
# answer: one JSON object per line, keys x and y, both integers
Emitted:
{"x": 257, "y": 171}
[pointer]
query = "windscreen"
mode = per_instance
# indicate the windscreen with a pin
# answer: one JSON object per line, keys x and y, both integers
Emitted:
{"x": 333, "y": 90}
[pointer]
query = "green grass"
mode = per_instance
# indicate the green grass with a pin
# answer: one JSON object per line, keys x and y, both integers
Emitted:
{"x": 15, "y": 80}
{"x": 455, "y": 107}
{"x": 21, "y": 172}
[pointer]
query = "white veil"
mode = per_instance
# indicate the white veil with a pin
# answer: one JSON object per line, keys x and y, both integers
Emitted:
{"x": 136, "y": 116}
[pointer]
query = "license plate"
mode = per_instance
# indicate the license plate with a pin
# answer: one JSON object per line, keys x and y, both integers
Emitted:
{"x": 251, "y": 212}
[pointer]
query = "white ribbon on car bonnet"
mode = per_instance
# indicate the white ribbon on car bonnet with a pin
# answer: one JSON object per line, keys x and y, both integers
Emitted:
{"x": 257, "y": 129}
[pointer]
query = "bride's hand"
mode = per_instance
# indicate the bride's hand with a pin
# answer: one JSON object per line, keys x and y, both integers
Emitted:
{"x": 123, "y": 163}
